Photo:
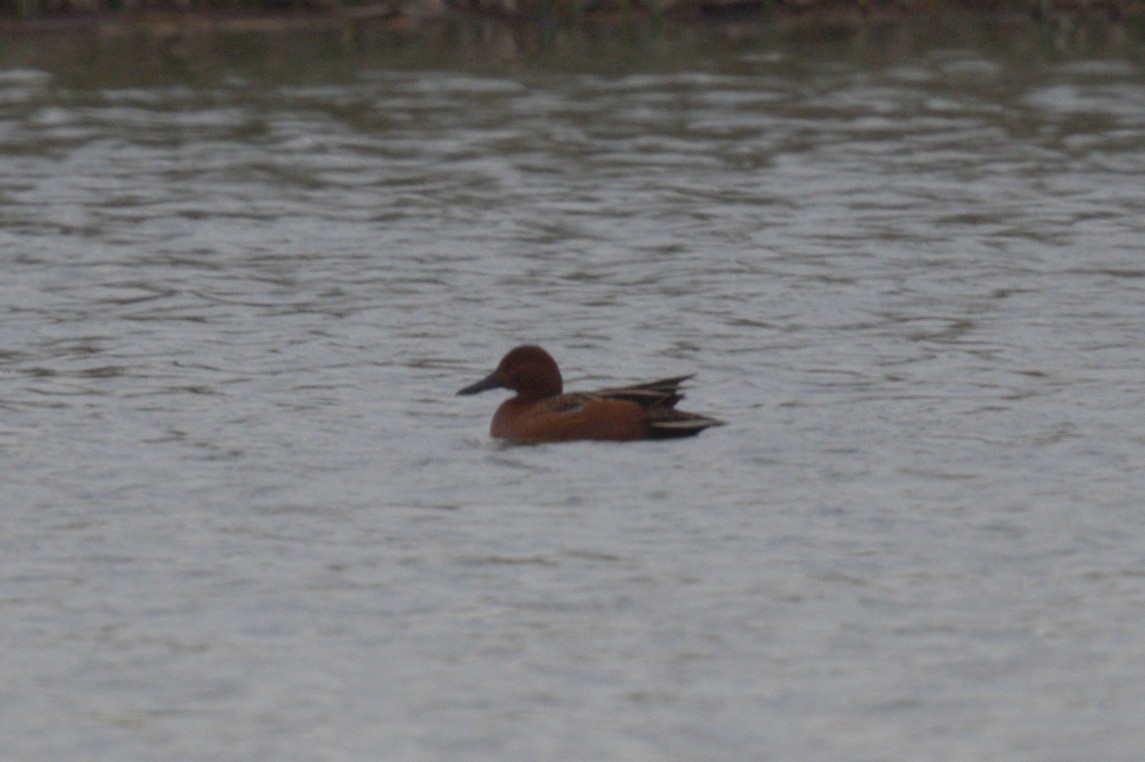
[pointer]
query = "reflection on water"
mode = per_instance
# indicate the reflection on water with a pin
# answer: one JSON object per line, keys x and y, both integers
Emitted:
{"x": 245, "y": 514}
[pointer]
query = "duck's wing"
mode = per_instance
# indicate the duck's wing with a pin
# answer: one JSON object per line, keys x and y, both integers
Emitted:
{"x": 656, "y": 398}
{"x": 564, "y": 403}
{"x": 664, "y": 393}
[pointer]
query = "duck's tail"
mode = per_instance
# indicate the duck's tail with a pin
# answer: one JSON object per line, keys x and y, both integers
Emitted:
{"x": 665, "y": 423}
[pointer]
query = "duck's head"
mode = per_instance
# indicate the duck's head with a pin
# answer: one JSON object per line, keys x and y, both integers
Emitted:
{"x": 528, "y": 370}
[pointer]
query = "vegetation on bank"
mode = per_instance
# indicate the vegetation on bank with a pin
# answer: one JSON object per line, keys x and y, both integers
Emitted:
{"x": 16, "y": 10}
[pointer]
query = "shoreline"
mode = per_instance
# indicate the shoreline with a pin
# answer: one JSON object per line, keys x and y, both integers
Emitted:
{"x": 410, "y": 15}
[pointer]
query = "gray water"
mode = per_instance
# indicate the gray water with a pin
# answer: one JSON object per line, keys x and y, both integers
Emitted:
{"x": 244, "y": 516}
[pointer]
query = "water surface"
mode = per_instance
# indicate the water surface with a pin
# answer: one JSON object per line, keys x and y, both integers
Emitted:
{"x": 245, "y": 516}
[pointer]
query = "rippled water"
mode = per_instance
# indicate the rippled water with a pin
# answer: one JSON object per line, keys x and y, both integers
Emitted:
{"x": 245, "y": 517}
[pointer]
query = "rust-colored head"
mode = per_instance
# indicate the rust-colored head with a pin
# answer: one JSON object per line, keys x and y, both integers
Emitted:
{"x": 528, "y": 370}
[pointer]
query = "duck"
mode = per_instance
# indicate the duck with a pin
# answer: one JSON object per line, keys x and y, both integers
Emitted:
{"x": 542, "y": 412}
